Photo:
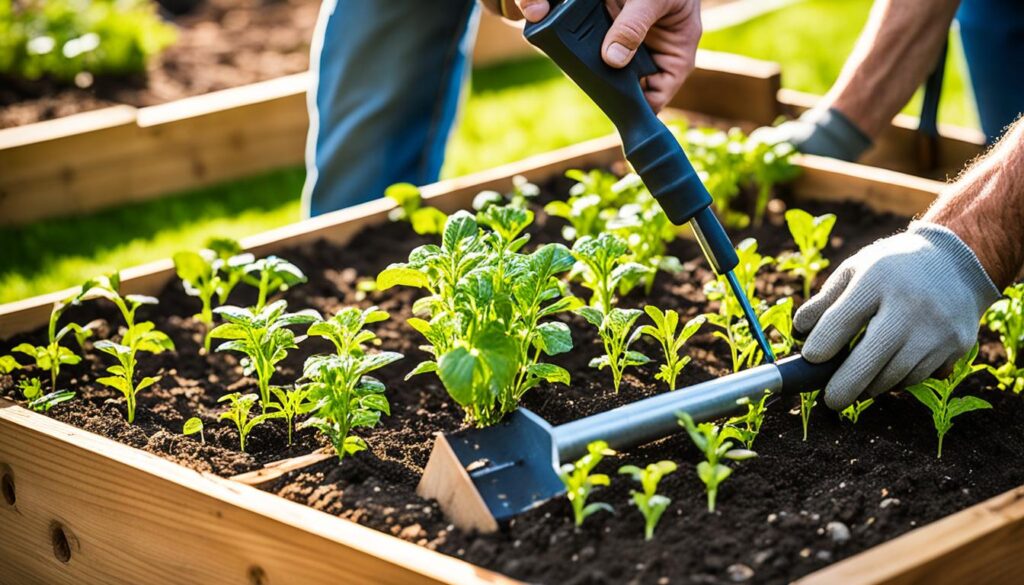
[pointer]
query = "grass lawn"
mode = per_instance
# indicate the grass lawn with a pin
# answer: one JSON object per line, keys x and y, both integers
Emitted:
{"x": 512, "y": 111}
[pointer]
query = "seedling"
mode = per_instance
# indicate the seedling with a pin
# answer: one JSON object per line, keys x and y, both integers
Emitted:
{"x": 650, "y": 503}
{"x": 617, "y": 335}
{"x": 719, "y": 158}
{"x": 271, "y": 275}
{"x": 604, "y": 267}
{"x": 138, "y": 336}
{"x": 936, "y": 395}
{"x": 344, "y": 396}
{"x": 32, "y": 390}
{"x": 580, "y": 482}
{"x": 424, "y": 220}
{"x": 192, "y": 426}
{"x": 1006, "y": 318}
{"x": 292, "y": 402}
{"x": 852, "y": 413}
{"x": 811, "y": 236}
{"x": 666, "y": 332}
{"x": 769, "y": 164}
{"x": 748, "y": 426}
{"x": 808, "y": 400}
{"x": 716, "y": 442}
{"x": 262, "y": 336}
{"x": 230, "y": 263}
{"x": 346, "y": 329}
{"x": 8, "y": 364}
{"x": 238, "y": 413}
{"x": 53, "y": 355}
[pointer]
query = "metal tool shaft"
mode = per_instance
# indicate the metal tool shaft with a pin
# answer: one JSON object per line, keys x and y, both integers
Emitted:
{"x": 653, "y": 418}
{"x": 752, "y": 320}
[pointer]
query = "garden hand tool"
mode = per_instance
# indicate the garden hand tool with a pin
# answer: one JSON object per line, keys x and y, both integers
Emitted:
{"x": 921, "y": 294}
{"x": 572, "y": 34}
{"x": 483, "y": 477}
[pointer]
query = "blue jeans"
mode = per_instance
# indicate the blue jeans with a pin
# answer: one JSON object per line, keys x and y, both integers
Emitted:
{"x": 387, "y": 78}
{"x": 992, "y": 32}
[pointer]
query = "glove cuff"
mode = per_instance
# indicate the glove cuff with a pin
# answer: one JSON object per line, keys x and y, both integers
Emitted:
{"x": 832, "y": 134}
{"x": 963, "y": 258}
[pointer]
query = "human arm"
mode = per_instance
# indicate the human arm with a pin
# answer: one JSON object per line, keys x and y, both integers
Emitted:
{"x": 895, "y": 52}
{"x": 921, "y": 293}
{"x": 670, "y": 29}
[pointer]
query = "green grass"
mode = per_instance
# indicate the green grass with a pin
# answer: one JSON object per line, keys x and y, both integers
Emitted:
{"x": 512, "y": 111}
{"x": 812, "y": 39}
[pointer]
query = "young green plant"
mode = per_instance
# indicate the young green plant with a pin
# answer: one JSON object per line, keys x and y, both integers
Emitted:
{"x": 716, "y": 442}
{"x": 937, "y": 395}
{"x": 238, "y": 412}
{"x": 192, "y": 426}
{"x": 210, "y": 275}
{"x": 667, "y": 333}
{"x": 605, "y": 267}
{"x": 650, "y": 503}
{"x": 424, "y": 220}
{"x": 808, "y": 400}
{"x": 32, "y": 390}
{"x": 271, "y": 275}
{"x": 344, "y": 396}
{"x": 263, "y": 337}
{"x": 811, "y": 236}
{"x": 580, "y": 481}
{"x": 292, "y": 402}
{"x": 748, "y": 425}
{"x": 852, "y": 413}
{"x": 617, "y": 335}
{"x": 53, "y": 355}
{"x": 1006, "y": 318}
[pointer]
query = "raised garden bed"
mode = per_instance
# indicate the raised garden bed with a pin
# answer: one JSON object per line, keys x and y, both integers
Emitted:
{"x": 108, "y": 512}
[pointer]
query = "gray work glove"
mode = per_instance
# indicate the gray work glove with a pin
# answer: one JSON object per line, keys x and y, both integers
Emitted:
{"x": 821, "y": 132}
{"x": 921, "y": 294}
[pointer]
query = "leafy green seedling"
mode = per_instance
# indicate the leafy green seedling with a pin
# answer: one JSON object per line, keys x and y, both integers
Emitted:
{"x": 346, "y": 329}
{"x": 768, "y": 164}
{"x": 271, "y": 275}
{"x": 345, "y": 397}
{"x": 748, "y": 425}
{"x": 425, "y": 220}
{"x": 53, "y": 355}
{"x": 231, "y": 263}
{"x": 719, "y": 159}
{"x": 811, "y": 236}
{"x": 138, "y": 336}
{"x": 192, "y": 426}
{"x": 808, "y": 400}
{"x": 617, "y": 335}
{"x": 1006, "y": 318}
{"x": 580, "y": 482}
{"x": 604, "y": 266}
{"x": 716, "y": 442}
{"x": 650, "y": 503}
{"x": 936, "y": 395}
{"x": 666, "y": 331}
{"x": 262, "y": 336}
{"x": 8, "y": 364}
{"x": 852, "y": 413}
{"x": 32, "y": 390}
{"x": 292, "y": 402}
{"x": 238, "y": 413}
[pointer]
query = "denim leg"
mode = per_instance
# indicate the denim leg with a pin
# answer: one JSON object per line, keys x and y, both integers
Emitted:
{"x": 992, "y": 32}
{"x": 387, "y": 78}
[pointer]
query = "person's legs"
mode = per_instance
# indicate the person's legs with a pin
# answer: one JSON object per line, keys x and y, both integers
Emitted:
{"x": 992, "y": 32}
{"x": 387, "y": 76}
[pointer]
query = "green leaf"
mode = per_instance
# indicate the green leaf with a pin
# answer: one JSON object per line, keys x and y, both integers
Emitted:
{"x": 8, "y": 364}
{"x": 192, "y": 426}
{"x": 428, "y": 220}
{"x": 553, "y": 338}
{"x": 457, "y": 370}
{"x": 459, "y": 227}
{"x": 593, "y": 316}
{"x": 960, "y": 405}
{"x": 192, "y": 267}
{"x": 422, "y": 368}
{"x": 549, "y": 373}
{"x": 400, "y": 274}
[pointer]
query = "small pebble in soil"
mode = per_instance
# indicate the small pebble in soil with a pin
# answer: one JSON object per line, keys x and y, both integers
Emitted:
{"x": 838, "y": 532}
{"x": 663, "y": 581}
{"x": 772, "y": 518}
{"x": 824, "y": 556}
{"x": 739, "y": 572}
{"x": 763, "y": 556}
{"x": 805, "y": 553}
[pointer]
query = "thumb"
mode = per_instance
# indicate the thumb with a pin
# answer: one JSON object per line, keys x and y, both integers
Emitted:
{"x": 628, "y": 30}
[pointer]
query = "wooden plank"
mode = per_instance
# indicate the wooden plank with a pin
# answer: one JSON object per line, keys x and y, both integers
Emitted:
{"x": 121, "y": 515}
{"x": 901, "y": 147}
{"x": 731, "y": 86}
{"x": 981, "y": 544}
{"x": 272, "y": 471}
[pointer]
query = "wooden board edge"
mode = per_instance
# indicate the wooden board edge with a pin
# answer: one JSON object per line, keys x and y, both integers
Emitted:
{"x": 67, "y": 126}
{"x": 288, "y": 86}
{"x": 277, "y": 469}
{"x": 262, "y": 517}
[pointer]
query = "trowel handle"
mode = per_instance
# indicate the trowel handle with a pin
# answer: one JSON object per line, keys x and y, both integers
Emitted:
{"x": 656, "y": 417}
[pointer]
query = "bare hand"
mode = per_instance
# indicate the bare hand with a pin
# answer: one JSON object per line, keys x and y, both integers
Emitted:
{"x": 670, "y": 28}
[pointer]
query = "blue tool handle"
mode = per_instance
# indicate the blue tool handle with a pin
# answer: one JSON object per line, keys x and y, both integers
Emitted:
{"x": 572, "y": 35}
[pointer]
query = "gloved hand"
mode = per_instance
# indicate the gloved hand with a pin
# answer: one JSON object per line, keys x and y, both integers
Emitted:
{"x": 921, "y": 294}
{"x": 821, "y": 132}
{"x": 669, "y": 28}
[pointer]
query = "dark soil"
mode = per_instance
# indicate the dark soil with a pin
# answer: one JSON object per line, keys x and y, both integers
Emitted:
{"x": 878, "y": 479}
{"x": 221, "y": 44}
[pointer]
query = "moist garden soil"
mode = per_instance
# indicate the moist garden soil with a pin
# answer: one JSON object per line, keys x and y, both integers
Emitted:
{"x": 221, "y": 44}
{"x": 796, "y": 508}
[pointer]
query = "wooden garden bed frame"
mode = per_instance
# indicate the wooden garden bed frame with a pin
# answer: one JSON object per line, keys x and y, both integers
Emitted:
{"x": 79, "y": 508}
{"x": 89, "y": 161}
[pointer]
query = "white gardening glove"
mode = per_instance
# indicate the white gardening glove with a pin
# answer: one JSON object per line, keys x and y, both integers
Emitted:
{"x": 822, "y": 132}
{"x": 921, "y": 294}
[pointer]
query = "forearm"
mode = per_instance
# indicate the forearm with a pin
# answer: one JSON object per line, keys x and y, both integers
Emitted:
{"x": 985, "y": 207}
{"x": 894, "y": 54}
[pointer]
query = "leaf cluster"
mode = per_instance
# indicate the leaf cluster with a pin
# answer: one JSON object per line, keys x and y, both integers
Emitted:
{"x": 748, "y": 425}
{"x": 617, "y": 335}
{"x": 667, "y": 333}
{"x": 238, "y": 412}
{"x": 716, "y": 442}
{"x": 1006, "y": 318}
{"x": 424, "y": 220}
{"x": 936, "y": 394}
{"x": 580, "y": 481}
{"x": 650, "y": 503}
{"x": 811, "y": 236}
